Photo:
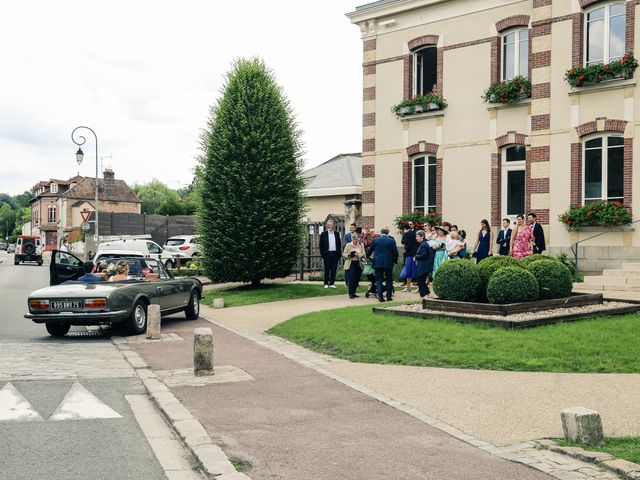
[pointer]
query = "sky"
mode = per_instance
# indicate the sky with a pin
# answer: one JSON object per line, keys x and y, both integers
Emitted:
{"x": 143, "y": 75}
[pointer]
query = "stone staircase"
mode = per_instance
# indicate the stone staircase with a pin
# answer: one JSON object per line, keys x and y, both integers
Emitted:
{"x": 626, "y": 279}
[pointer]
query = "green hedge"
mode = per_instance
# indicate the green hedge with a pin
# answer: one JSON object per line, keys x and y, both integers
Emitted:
{"x": 457, "y": 279}
{"x": 490, "y": 265}
{"x": 512, "y": 285}
{"x": 554, "y": 278}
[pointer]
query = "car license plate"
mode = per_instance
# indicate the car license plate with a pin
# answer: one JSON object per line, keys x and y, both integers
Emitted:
{"x": 67, "y": 304}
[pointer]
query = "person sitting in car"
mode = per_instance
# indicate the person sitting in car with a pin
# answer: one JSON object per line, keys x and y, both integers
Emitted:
{"x": 89, "y": 276}
{"x": 122, "y": 272}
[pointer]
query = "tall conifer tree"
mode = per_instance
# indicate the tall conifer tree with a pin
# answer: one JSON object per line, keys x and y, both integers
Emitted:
{"x": 251, "y": 185}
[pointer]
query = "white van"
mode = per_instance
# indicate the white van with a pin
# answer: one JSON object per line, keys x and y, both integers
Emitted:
{"x": 148, "y": 248}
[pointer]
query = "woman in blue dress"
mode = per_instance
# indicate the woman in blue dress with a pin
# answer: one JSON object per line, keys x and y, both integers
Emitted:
{"x": 482, "y": 248}
{"x": 439, "y": 244}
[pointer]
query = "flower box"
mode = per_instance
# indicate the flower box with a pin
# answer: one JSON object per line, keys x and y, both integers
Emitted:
{"x": 602, "y": 214}
{"x": 593, "y": 74}
{"x": 509, "y": 91}
{"x": 416, "y": 105}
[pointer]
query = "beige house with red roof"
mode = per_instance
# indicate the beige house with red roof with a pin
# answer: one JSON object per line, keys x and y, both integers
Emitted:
{"x": 57, "y": 205}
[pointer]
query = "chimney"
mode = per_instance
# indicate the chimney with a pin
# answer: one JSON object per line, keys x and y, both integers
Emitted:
{"x": 109, "y": 183}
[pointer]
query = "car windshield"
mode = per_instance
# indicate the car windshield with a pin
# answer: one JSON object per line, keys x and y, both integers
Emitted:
{"x": 173, "y": 242}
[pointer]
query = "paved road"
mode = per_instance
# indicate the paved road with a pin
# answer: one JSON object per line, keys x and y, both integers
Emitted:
{"x": 50, "y": 390}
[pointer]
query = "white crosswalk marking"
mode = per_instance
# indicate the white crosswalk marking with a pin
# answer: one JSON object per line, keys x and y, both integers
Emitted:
{"x": 79, "y": 403}
{"x": 14, "y": 407}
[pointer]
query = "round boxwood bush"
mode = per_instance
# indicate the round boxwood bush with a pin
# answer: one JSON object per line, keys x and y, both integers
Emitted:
{"x": 489, "y": 265}
{"x": 526, "y": 261}
{"x": 458, "y": 280}
{"x": 554, "y": 278}
{"x": 512, "y": 285}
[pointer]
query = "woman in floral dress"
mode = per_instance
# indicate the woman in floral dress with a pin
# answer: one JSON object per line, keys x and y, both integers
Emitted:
{"x": 522, "y": 243}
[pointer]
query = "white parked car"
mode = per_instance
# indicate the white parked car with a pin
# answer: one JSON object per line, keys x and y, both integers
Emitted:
{"x": 183, "y": 247}
{"x": 148, "y": 248}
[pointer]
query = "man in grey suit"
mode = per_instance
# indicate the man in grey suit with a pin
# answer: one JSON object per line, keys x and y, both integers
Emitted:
{"x": 385, "y": 255}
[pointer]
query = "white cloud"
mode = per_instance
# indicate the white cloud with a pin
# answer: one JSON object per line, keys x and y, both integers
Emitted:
{"x": 143, "y": 75}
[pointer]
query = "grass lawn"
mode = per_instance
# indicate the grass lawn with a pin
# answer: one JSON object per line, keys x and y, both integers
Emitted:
{"x": 271, "y": 292}
{"x": 627, "y": 448}
{"x": 607, "y": 345}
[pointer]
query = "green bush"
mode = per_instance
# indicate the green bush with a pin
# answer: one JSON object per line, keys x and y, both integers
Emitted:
{"x": 526, "y": 261}
{"x": 512, "y": 285}
{"x": 490, "y": 265}
{"x": 554, "y": 278}
{"x": 459, "y": 280}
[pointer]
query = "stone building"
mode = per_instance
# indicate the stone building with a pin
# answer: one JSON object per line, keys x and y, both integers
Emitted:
{"x": 474, "y": 159}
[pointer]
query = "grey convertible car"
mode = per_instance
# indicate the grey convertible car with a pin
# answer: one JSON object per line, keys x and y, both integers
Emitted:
{"x": 123, "y": 303}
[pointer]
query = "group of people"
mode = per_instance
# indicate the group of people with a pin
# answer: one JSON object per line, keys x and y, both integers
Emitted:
{"x": 98, "y": 273}
{"x": 425, "y": 250}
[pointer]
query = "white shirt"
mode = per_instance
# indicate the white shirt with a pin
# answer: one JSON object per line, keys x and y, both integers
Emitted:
{"x": 332, "y": 241}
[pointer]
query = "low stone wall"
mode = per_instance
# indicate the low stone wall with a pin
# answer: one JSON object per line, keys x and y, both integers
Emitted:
{"x": 593, "y": 259}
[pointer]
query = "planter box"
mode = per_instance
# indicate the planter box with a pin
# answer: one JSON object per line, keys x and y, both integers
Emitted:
{"x": 418, "y": 109}
{"x": 578, "y": 300}
{"x": 619, "y": 76}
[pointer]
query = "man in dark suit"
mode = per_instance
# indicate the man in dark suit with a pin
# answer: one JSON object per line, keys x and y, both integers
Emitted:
{"x": 330, "y": 250}
{"x": 538, "y": 234}
{"x": 385, "y": 255}
{"x": 504, "y": 237}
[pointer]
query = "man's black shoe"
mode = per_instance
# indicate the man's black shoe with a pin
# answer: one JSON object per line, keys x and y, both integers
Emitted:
{"x": 380, "y": 299}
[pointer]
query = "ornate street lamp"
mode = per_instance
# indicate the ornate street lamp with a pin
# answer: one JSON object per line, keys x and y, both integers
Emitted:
{"x": 79, "y": 157}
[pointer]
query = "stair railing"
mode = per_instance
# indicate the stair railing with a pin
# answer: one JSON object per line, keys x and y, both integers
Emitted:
{"x": 574, "y": 247}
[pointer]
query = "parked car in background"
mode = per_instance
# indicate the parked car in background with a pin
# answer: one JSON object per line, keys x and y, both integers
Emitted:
{"x": 148, "y": 248}
{"x": 119, "y": 303}
{"x": 3, "y": 246}
{"x": 28, "y": 249}
{"x": 114, "y": 255}
{"x": 11, "y": 248}
{"x": 183, "y": 247}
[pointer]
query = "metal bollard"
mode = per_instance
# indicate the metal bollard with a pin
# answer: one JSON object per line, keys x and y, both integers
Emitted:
{"x": 153, "y": 322}
{"x": 203, "y": 351}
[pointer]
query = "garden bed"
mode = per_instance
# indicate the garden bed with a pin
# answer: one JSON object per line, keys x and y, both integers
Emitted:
{"x": 518, "y": 315}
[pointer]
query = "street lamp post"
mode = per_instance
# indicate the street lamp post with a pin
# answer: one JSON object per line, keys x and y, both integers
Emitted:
{"x": 79, "y": 157}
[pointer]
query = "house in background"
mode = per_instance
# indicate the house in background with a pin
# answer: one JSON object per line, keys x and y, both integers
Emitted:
{"x": 57, "y": 205}
{"x": 335, "y": 188}
{"x": 469, "y": 160}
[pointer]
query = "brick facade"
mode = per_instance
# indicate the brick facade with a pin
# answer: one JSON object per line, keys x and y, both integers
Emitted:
{"x": 513, "y": 21}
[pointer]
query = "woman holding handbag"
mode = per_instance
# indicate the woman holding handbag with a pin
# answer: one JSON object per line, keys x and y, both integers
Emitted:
{"x": 352, "y": 254}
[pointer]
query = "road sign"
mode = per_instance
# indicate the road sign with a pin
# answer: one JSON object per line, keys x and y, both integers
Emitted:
{"x": 86, "y": 227}
{"x": 86, "y": 214}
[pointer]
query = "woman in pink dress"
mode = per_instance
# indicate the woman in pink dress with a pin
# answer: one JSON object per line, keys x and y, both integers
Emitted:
{"x": 522, "y": 240}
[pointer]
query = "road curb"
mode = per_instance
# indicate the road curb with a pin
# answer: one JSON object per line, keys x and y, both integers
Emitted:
{"x": 627, "y": 470}
{"x": 210, "y": 457}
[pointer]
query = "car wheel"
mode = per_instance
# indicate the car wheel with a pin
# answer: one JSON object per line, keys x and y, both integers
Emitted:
{"x": 138, "y": 319}
{"x": 192, "y": 312}
{"x": 57, "y": 329}
{"x": 169, "y": 265}
{"x": 16, "y": 261}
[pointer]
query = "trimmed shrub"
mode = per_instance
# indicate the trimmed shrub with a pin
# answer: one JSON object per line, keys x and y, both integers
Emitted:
{"x": 459, "y": 280}
{"x": 554, "y": 278}
{"x": 512, "y": 285}
{"x": 526, "y": 261}
{"x": 489, "y": 265}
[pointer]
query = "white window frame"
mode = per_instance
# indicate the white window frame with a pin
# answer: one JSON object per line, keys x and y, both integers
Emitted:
{"x": 415, "y": 69}
{"x": 53, "y": 188}
{"x": 516, "y": 60}
{"x": 506, "y": 167}
{"x": 607, "y": 32}
{"x": 429, "y": 159}
{"x": 605, "y": 167}
{"x": 51, "y": 208}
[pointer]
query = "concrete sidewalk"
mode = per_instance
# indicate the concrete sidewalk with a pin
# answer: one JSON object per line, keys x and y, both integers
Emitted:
{"x": 295, "y": 422}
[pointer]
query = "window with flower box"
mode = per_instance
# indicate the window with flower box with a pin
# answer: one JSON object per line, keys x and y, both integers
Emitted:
{"x": 424, "y": 183}
{"x": 605, "y": 33}
{"x": 603, "y": 167}
{"x": 515, "y": 54}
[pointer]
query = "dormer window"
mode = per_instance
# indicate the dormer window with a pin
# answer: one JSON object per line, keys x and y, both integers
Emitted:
{"x": 53, "y": 187}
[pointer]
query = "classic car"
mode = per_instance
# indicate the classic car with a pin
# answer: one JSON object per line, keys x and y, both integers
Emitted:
{"x": 121, "y": 303}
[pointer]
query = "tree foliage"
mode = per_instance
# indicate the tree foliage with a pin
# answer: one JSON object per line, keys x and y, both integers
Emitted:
{"x": 14, "y": 213}
{"x": 251, "y": 184}
{"x": 157, "y": 198}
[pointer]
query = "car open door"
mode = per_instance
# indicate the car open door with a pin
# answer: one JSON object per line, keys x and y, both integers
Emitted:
{"x": 64, "y": 266}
